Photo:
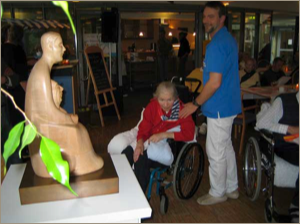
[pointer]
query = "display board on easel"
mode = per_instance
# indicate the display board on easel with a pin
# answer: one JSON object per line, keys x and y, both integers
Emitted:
{"x": 100, "y": 78}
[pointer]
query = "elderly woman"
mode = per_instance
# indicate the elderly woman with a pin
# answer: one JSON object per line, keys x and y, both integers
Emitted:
{"x": 147, "y": 143}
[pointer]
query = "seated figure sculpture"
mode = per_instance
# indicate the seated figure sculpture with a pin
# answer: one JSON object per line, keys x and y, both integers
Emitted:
{"x": 42, "y": 108}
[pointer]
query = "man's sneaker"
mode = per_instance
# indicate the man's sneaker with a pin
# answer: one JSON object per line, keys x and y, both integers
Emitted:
{"x": 210, "y": 200}
{"x": 233, "y": 195}
{"x": 203, "y": 129}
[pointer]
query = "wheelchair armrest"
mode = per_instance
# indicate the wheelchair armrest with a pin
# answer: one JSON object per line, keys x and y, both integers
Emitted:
{"x": 170, "y": 140}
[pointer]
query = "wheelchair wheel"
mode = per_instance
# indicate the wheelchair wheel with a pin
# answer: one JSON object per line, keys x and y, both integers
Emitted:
{"x": 188, "y": 171}
{"x": 252, "y": 169}
{"x": 268, "y": 212}
{"x": 164, "y": 204}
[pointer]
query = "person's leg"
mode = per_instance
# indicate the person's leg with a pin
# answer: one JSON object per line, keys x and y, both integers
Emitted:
{"x": 161, "y": 68}
{"x": 181, "y": 68}
{"x": 294, "y": 207}
{"x": 142, "y": 171}
{"x": 288, "y": 152}
{"x": 128, "y": 151}
{"x": 231, "y": 180}
{"x": 160, "y": 152}
{"x": 121, "y": 141}
{"x": 182, "y": 62}
{"x": 141, "y": 167}
{"x": 218, "y": 133}
{"x": 166, "y": 70}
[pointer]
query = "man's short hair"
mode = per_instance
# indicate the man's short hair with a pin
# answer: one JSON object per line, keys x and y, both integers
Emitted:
{"x": 277, "y": 60}
{"x": 217, "y": 5}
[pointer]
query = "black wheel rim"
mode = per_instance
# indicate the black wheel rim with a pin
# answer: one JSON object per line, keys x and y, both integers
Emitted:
{"x": 190, "y": 171}
{"x": 252, "y": 169}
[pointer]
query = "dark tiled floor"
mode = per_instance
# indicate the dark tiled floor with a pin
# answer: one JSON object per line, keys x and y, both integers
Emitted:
{"x": 232, "y": 211}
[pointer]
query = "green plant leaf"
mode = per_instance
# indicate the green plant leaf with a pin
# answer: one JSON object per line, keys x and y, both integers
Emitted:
{"x": 65, "y": 7}
{"x": 56, "y": 166}
{"x": 13, "y": 140}
{"x": 28, "y": 137}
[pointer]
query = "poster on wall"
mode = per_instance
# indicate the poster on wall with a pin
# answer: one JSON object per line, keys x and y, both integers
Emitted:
{"x": 94, "y": 39}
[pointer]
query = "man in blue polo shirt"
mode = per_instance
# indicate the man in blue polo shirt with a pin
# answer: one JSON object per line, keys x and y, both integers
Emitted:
{"x": 221, "y": 102}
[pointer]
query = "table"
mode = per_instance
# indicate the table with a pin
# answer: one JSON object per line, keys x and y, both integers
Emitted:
{"x": 265, "y": 92}
{"x": 129, "y": 205}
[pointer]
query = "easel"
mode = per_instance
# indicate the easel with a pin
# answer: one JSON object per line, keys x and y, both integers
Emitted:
{"x": 102, "y": 83}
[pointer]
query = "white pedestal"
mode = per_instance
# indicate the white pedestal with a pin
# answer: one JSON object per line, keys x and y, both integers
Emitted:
{"x": 129, "y": 205}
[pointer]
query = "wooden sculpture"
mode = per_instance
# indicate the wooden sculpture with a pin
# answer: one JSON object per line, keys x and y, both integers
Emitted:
{"x": 42, "y": 108}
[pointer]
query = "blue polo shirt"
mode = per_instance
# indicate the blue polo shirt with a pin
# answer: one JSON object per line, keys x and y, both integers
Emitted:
{"x": 222, "y": 57}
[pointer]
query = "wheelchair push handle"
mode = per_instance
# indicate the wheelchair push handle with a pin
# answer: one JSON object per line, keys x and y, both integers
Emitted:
{"x": 194, "y": 80}
{"x": 180, "y": 79}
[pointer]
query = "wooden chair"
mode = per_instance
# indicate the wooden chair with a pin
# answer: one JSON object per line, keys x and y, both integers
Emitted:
{"x": 242, "y": 120}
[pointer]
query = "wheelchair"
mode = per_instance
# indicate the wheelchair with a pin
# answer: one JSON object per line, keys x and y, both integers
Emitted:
{"x": 259, "y": 157}
{"x": 186, "y": 171}
{"x": 188, "y": 166}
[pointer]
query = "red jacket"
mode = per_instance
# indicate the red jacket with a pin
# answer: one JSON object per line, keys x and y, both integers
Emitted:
{"x": 153, "y": 124}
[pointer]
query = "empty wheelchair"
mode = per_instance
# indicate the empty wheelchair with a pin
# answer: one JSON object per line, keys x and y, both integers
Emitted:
{"x": 260, "y": 157}
{"x": 186, "y": 171}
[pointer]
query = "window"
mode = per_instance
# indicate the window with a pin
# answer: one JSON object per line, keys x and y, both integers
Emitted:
{"x": 234, "y": 26}
{"x": 29, "y": 13}
{"x": 137, "y": 29}
{"x": 264, "y": 37}
{"x": 249, "y": 34}
{"x": 6, "y": 13}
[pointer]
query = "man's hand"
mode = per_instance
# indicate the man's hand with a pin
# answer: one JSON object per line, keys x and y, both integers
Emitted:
{"x": 139, "y": 150}
{"x": 293, "y": 130}
{"x": 157, "y": 137}
{"x": 188, "y": 109}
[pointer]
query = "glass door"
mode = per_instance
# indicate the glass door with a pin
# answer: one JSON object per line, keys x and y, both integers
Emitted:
{"x": 249, "y": 34}
{"x": 89, "y": 33}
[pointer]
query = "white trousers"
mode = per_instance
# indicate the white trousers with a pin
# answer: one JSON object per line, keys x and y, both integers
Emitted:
{"x": 159, "y": 152}
{"x": 221, "y": 156}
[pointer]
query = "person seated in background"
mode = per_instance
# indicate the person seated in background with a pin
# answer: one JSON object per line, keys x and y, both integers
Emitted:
{"x": 148, "y": 144}
{"x": 282, "y": 118}
{"x": 248, "y": 76}
{"x": 272, "y": 75}
{"x": 243, "y": 57}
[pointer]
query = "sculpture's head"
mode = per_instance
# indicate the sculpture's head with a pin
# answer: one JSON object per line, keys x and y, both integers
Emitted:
{"x": 52, "y": 46}
{"x": 57, "y": 93}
